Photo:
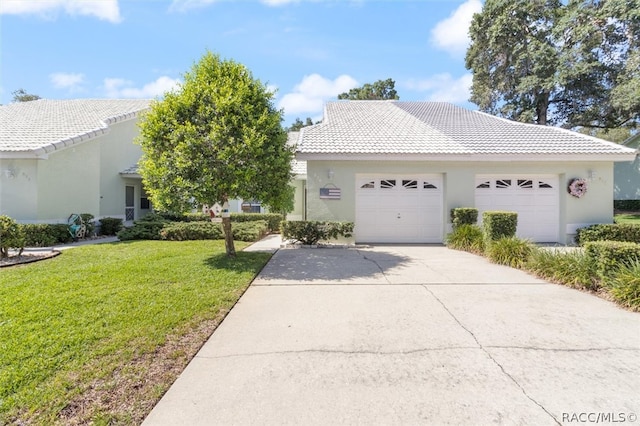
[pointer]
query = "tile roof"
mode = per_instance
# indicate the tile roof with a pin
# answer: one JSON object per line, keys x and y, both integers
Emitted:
{"x": 45, "y": 124}
{"x": 437, "y": 128}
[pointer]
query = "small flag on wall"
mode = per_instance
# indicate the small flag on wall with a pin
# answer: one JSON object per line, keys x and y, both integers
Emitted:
{"x": 330, "y": 193}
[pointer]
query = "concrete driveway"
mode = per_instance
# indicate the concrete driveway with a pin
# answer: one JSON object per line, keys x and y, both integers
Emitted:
{"x": 410, "y": 335}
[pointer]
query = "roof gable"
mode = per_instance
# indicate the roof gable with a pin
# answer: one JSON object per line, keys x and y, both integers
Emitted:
{"x": 41, "y": 126}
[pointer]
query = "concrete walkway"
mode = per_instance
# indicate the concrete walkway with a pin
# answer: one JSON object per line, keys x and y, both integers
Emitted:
{"x": 409, "y": 335}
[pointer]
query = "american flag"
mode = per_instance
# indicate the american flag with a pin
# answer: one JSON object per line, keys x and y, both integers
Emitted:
{"x": 330, "y": 193}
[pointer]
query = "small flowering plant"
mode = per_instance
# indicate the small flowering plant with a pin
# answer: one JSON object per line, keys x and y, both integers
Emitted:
{"x": 577, "y": 187}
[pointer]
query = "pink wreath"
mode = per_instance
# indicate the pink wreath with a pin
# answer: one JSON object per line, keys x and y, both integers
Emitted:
{"x": 577, "y": 187}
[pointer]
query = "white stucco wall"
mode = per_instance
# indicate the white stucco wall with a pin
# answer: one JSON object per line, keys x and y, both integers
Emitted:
{"x": 299, "y": 200}
{"x": 627, "y": 180}
{"x": 459, "y": 187}
{"x": 19, "y": 189}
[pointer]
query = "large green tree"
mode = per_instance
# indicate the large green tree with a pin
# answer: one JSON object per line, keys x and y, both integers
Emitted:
{"x": 380, "y": 90}
{"x": 569, "y": 63}
{"x": 216, "y": 138}
{"x": 21, "y": 95}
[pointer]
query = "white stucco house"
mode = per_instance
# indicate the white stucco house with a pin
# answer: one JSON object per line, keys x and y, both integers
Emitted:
{"x": 396, "y": 169}
{"x": 627, "y": 175}
{"x": 59, "y": 157}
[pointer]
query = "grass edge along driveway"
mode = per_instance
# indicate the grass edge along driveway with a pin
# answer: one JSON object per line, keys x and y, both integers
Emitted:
{"x": 99, "y": 333}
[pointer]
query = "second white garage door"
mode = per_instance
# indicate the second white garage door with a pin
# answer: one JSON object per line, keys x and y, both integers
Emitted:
{"x": 535, "y": 199}
{"x": 399, "y": 209}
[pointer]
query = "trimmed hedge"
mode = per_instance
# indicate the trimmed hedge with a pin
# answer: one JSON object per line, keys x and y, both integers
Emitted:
{"x": 11, "y": 236}
{"x": 464, "y": 216}
{"x": 273, "y": 219}
{"x": 499, "y": 224}
{"x": 142, "y": 230}
{"x": 626, "y": 232}
{"x": 110, "y": 225}
{"x": 608, "y": 256}
{"x": 311, "y": 232}
{"x": 183, "y": 231}
{"x": 626, "y": 205}
{"x": 46, "y": 234}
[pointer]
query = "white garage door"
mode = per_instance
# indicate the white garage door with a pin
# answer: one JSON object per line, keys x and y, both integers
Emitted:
{"x": 534, "y": 198}
{"x": 399, "y": 208}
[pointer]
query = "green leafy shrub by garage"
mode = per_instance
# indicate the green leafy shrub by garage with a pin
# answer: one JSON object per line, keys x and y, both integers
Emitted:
{"x": 466, "y": 237}
{"x": 608, "y": 256}
{"x": 273, "y": 219}
{"x": 464, "y": 216}
{"x": 608, "y": 232}
{"x": 11, "y": 236}
{"x": 184, "y": 231}
{"x": 89, "y": 224}
{"x": 45, "y": 234}
{"x": 510, "y": 251}
{"x": 624, "y": 285}
{"x": 110, "y": 225}
{"x": 312, "y": 232}
{"x": 498, "y": 224}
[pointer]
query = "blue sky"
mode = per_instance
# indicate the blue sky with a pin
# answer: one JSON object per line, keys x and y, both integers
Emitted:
{"x": 309, "y": 50}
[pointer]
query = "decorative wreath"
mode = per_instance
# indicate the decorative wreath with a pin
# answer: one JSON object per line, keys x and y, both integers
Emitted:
{"x": 577, "y": 187}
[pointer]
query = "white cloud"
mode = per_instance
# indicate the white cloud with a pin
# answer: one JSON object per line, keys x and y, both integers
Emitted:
{"x": 71, "y": 81}
{"x": 185, "y": 5}
{"x": 121, "y": 88}
{"x": 444, "y": 88}
{"x": 310, "y": 94}
{"x": 452, "y": 33}
{"x": 107, "y": 10}
{"x": 277, "y": 2}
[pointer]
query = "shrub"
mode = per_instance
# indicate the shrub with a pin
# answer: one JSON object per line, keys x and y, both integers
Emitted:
{"x": 626, "y": 205}
{"x": 464, "y": 216}
{"x": 608, "y": 232}
{"x": 607, "y": 256}
{"x": 181, "y": 217}
{"x": 498, "y": 224}
{"x": 311, "y": 232}
{"x": 110, "y": 225}
{"x": 273, "y": 219}
{"x": 466, "y": 237}
{"x": 46, "y": 235}
{"x": 574, "y": 268}
{"x": 183, "y": 231}
{"x": 89, "y": 223}
{"x": 624, "y": 286}
{"x": 142, "y": 230}
{"x": 11, "y": 236}
{"x": 510, "y": 251}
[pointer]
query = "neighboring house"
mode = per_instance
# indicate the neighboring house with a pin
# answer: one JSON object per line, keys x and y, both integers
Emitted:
{"x": 627, "y": 175}
{"x": 397, "y": 169}
{"x": 59, "y": 157}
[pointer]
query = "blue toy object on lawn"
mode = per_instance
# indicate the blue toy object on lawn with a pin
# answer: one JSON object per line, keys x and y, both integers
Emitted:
{"x": 77, "y": 228}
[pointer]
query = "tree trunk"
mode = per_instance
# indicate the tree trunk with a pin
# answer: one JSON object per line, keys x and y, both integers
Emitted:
{"x": 228, "y": 237}
{"x": 542, "y": 108}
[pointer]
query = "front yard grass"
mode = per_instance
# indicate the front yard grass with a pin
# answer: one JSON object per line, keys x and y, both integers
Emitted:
{"x": 99, "y": 333}
{"x": 627, "y": 218}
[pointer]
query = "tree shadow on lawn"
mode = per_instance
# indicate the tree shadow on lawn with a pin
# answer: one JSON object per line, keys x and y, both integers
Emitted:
{"x": 243, "y": 262}
{"x": 331, "y": 264}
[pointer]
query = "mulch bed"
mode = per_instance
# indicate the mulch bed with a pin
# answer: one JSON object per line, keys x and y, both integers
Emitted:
{"x": 27, "y": 258}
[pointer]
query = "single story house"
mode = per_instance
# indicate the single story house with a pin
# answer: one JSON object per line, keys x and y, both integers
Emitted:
{"x": 627, "y": 175}
{"x": 396, "y": 169}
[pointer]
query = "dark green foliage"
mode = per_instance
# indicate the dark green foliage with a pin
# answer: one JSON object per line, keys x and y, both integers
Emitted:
{"x": 89, "y": 223}
{"x": 624, "y": 286}
{"x": 380, "y": 90}
{"x": 608, "y": 256}
{"x": 110, "y": 225}
{"x": 499, "y": 224}
{"x": 11, "y": 236}
{"x": 183, "y": 231}
{"x": 46, "y": 234}
{"x": 627, "y": 205}
{"x": 312, "y": 232}
{"x": 142, "y": 230}
{"x": 608, "y": 232}
{"x": 574, "y": 268}
{"x": 464, "y": 216}
{"x": 179, "y": 217}
{"x": 273, "y": 219}
{"x": 510, "y": 251}
{"x": 466, "y": 237}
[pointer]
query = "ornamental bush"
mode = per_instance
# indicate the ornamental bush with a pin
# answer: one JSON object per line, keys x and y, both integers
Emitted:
{"x": 312, "y": 232}
{"x": 11, "y": 236}
{"x": 573, "y": 268}
{"x": 89, "y": 224}
{"x": 608, "y": 256}
{"x": 626, "y": 232}
{"x": 184, "y": 231}
{"x": 510, "y": 251}
{"x": 46, "y": 234}
{"x": 498, "y": 224}
{"x": 624, "y": 286}
{"x": 273, "y": 219}
{"x": 464, "y": 216}
{"x": 466, "y": 237}
{"x": 110, "y": 225}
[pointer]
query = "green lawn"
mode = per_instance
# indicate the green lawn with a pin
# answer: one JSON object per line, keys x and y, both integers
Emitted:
{"x": 78, "y": 330}
{"x": 628, "y": 218}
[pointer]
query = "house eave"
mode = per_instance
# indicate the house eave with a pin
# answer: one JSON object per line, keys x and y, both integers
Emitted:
{"x": 617, "y": 157}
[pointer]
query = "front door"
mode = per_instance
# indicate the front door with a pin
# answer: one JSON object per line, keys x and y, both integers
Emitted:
{"x": 129, "y": 204}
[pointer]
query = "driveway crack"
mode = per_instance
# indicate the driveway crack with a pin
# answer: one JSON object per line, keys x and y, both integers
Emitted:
{"x": 524, "y": 392}
{"x": 375, "y": 263}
